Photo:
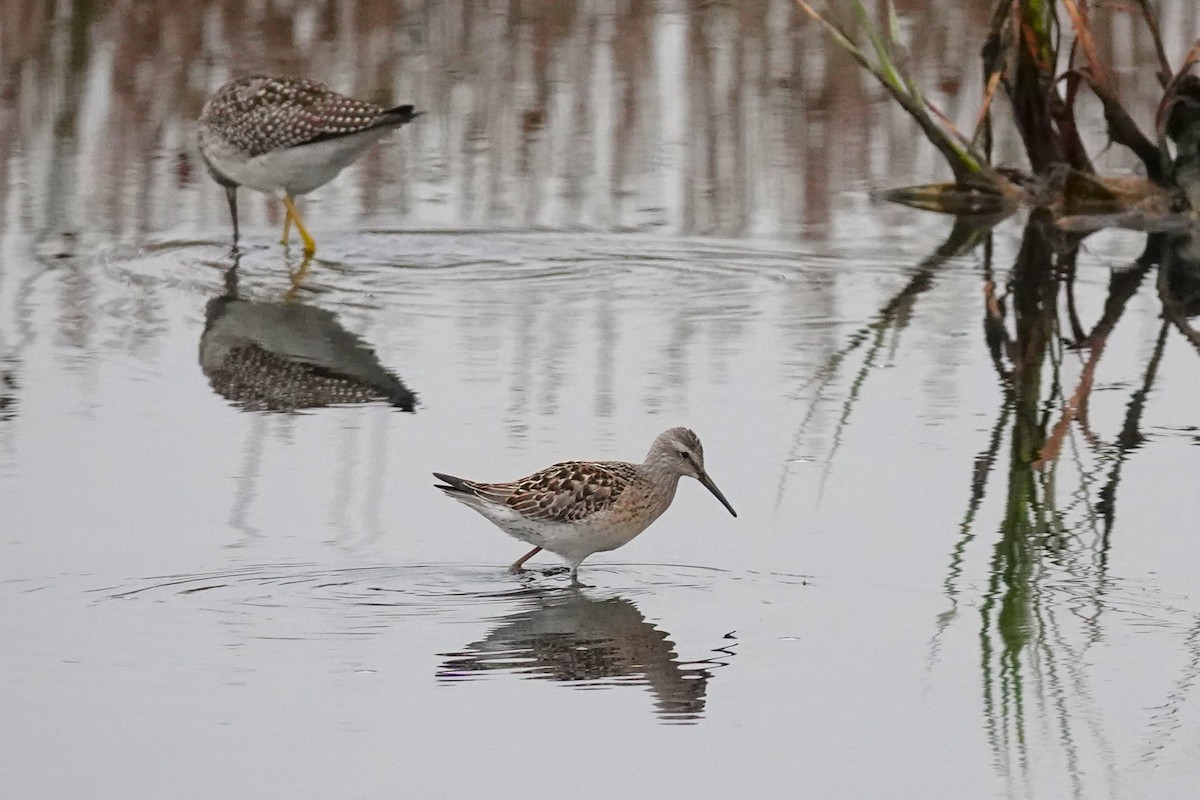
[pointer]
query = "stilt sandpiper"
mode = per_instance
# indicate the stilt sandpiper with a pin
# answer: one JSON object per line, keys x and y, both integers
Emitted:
{"x": 287, "y": 136}
{"x": 577, "y": 508}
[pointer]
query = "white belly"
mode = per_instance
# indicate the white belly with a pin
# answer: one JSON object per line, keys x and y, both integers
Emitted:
{"x": 573, "y": 541}
{"x": 295, "y": 170}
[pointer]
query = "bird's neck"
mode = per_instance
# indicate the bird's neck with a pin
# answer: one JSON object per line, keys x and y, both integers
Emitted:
{"x": 662, "y": 476}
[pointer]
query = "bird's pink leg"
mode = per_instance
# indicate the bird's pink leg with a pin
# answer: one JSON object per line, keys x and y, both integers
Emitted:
{"x": 516, "y": 567}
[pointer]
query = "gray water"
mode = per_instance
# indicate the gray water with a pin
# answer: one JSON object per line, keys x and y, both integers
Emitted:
{"x": 611, "y": 221}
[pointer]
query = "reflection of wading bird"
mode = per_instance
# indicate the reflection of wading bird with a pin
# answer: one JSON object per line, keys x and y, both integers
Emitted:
{"x": 288, "y": 356}
{"x": 607, "y": 642}
{"x": 578, "y": 508}
{"x": 285, "y": 137}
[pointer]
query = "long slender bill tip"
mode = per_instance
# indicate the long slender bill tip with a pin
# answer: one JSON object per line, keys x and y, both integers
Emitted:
{"x": 712, "y": 487}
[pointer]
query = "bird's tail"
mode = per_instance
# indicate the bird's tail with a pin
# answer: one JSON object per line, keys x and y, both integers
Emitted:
{"x": 399, "y": 115}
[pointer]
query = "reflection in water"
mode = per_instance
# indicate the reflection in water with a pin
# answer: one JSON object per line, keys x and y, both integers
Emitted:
{"x": 8, "y": 407}
{"x": 681, "y": 117}
{"x": 1168, "y": 718}
{"x": 286, "y": 356}
{"x": 1048, "y": 584}
{"x": 889, "y": 323}
{"x": 8, "y": 388}
{"x": 568, "y": 636}
{"x": 1179, "y": 282}
{"x": 728, "y": 118}
{"x": 688, "y": 117}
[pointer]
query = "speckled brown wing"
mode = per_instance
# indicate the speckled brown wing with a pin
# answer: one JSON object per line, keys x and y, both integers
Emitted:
{"x": 259, "y": 114}
{"x": 566, "y": 492}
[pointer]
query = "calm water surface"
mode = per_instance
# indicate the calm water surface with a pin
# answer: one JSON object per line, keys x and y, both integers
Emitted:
{"x": 223, "y": 578}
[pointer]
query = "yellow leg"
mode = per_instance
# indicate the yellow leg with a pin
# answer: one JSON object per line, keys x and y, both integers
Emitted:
{"x": 310, "y": 246}
{"x": 516, "y": 567}
{"x": 298, "y": 279}
{"x": 287, "y": 227}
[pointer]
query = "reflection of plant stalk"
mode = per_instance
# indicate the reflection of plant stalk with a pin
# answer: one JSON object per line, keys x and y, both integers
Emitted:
{"x": 1009, "y": 604}
{"x": 1034, "y": 291}
{"x": 1019, "y": 637}
{"x": 895, "y": 315}
{"x": 1122, "y": 287}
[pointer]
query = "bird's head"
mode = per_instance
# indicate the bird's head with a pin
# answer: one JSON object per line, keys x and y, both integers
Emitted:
{"x": 679, "y": 450}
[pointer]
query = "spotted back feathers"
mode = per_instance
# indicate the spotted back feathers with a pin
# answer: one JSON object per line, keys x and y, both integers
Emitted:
{"x": 258, "y": 114}
{"x": 566, "y": 492}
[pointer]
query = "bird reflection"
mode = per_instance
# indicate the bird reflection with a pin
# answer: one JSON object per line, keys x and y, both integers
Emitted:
{"x": 1180, "y": 281}
{"x": 285, "y": 356}
{"x": 568, "y": 636}
{"x": 8, "y": 388}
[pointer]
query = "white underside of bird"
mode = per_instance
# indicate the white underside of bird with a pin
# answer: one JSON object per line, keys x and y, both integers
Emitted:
{"x": 571, "y": 541}
{"x": 292, "y": 170}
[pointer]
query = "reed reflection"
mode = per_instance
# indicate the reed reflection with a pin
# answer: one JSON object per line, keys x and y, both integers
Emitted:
{"x": 1179, "y": 281}
{"x": 1049, "y": 586}
{"x": 1048, "y": 596}
{"x": 286, "y": 356}
{"x": 570, "y": 637}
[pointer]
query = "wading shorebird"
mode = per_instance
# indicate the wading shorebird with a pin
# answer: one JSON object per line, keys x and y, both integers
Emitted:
{"x": 577, "y": 508}
{"x": 287, "y": 136}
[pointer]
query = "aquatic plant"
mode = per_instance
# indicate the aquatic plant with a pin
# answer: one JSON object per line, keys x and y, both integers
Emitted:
{"x": 1023, "y": 55}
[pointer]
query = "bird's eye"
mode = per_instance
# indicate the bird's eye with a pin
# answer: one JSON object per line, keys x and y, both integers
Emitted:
{"x": 685, "y": 455}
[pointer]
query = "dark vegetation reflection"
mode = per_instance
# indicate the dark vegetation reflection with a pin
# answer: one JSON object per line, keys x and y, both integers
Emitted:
{"x": 286, "y": 355}
{"x": 1051, "y": 541}
{"x": 1049, "y": 565}
{"x": 1061, "y": 477}
{"x": 567, "y": 636}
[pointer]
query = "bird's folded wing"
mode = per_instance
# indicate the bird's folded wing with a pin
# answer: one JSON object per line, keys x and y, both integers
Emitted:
{"x": 566, "y": 492}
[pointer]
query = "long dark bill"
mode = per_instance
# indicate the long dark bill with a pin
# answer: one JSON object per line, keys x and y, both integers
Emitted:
{"x": 712, "y": 487}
